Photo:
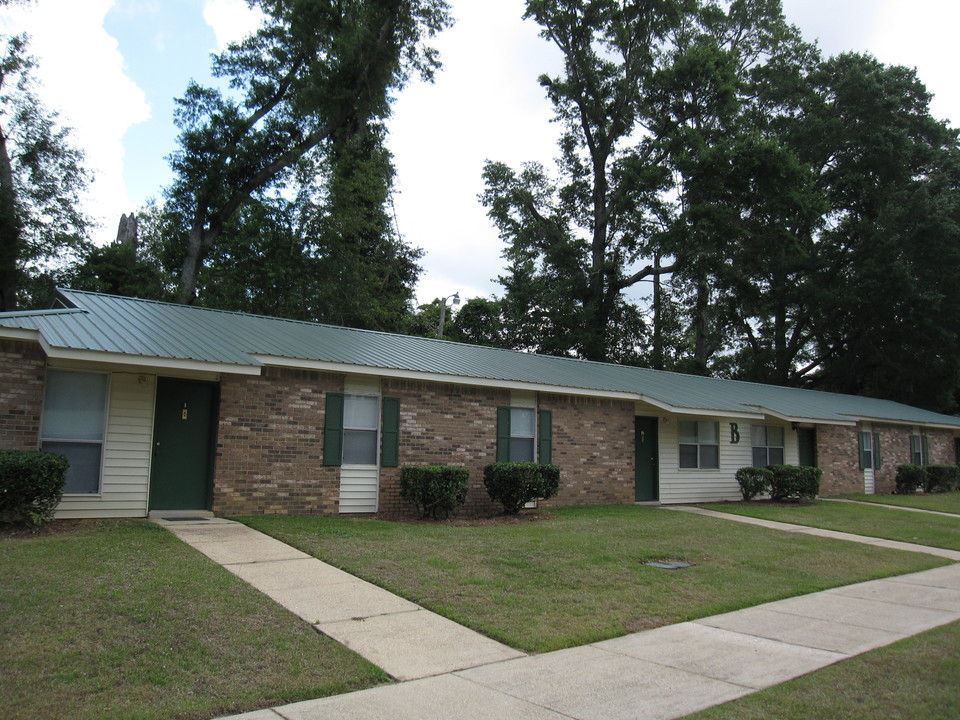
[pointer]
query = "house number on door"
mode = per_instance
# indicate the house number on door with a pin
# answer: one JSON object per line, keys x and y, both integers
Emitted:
{"x": 184, "y": 413}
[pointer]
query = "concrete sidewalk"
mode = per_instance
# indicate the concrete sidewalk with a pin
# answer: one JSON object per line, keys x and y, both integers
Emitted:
{"x": 401, "y": 638}
{"x": 893, "y": 507}
{"x": 664, "y": 673}
{"x": 819, "y": 532}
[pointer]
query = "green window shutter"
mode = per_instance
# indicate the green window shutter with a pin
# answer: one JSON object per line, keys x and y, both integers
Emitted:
{"x": 333, "y": 430}
{"x": 390, "y": 433}
{"x": 877, "y": 457}
{"x": 545, "y": 454}
{"x": 503, "y": 434}
{"x": 862, "y": 451}
{"x": 925, "y": 458}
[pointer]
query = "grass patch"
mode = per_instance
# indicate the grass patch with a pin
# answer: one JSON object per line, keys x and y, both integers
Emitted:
{"x": 941, "y": 502}
{"x": 119, "y": 619}
{"x": 580, "y": 576}
{"x": 914, "y": 679}
{"x": 920, "y": 528}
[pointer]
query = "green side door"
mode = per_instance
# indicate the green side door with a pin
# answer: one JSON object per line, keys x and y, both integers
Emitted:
{"x": 182, "y": 444}
{"x": 647, "y": 478}
{"x": 807, "y": 446}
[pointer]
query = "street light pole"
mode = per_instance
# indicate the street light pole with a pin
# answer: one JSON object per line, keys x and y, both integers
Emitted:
{"x": 443, "y": 311}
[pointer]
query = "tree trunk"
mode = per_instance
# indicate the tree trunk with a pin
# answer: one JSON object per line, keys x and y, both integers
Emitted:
{"x": 657, "y": 356}
{"x": 10, "y": 232}
{"x": 190, "y": 270}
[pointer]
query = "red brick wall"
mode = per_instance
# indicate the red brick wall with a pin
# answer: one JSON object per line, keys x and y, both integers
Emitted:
{"x": 443, "y": 424}
{"x": 838, "y": 457}
{"x": 456, "y": 425}
{"x": 270, "y": 444}
{"x": 594, "y": 449}
{"x": 21, "y": 394}
{"x": 941, "y": 448}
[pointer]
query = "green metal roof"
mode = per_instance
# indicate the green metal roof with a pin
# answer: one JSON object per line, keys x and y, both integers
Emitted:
{"x": 141, "y": 330}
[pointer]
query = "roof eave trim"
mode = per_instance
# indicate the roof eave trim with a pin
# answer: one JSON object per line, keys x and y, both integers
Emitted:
{"x": 348, "y": 368}
{"x": 100, "y": 356}
{"x": 801, "y": 419}
{"x": 894, "y": 421}
{"x": 29, "y": 334}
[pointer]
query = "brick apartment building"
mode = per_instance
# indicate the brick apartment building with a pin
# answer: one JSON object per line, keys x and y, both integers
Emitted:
{"x": 165, "y": 407}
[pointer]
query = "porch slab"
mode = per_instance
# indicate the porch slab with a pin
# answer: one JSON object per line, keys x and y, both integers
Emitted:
{"x": 416, "y": 644}
{"x": 435, "y": 698}
{"x": 592, "y": 684}
{"x": 808, "y": 632}
{"x": 722, "y": 655}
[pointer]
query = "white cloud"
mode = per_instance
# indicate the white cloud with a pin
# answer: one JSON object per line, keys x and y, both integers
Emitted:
{"x": 485, "y": 104}
{"x": 82, "y": 77}
{"x": 231, "y": 20}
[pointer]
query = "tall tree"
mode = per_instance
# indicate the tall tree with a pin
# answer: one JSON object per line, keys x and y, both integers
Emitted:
{"x": 41, "y": 179}
{"x": 315, "y": 70}
{"x": 650, "y": 91}
{"x": 888, "y": 318}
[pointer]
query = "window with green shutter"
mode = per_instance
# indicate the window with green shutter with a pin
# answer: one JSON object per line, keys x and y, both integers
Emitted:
{"x": 545, "y": 443}
{"x": 390, "y": 433}
{"x": 333, "y": 430}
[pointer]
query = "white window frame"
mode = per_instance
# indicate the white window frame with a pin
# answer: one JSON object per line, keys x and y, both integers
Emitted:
{"x": 515, "y": 434}
{"x": 699, "y": 445}
{"x": 347, "y": 397}
{"x": 102, "y": 442}
{"x": 866, "y": 440}
{"x": 916, "y": 449}
{"x": 766, "y": 446}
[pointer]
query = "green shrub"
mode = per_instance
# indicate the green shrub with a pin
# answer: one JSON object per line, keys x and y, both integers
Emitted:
{"x": 794, "y": 482}
{"x": 435, "y": 490}
{"x": 754, "y": 481}
{"x": 31, "y": 486}
{"x": 941, "y": 478}
{"x": 514, "y": 484}
{"x": 910, "y": 478}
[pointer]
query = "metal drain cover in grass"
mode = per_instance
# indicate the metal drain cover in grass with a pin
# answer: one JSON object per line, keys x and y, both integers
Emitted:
{"x": 669, "y": 565}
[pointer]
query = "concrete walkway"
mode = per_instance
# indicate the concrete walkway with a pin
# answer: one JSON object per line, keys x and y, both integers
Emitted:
{"x": 819, "y": 532}
{"x": 664, "y": 673}
{"x": 398, "y": 636}
{"x": 892, "y": 507}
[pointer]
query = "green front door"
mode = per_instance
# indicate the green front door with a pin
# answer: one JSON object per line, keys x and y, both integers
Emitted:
{"x": 645, "y": 439}
{"x": 182, "y": 441}
{"x": 807, "y": 446}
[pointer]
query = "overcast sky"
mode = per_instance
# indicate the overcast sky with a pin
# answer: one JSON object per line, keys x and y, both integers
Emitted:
{"x": 113, "y": 67}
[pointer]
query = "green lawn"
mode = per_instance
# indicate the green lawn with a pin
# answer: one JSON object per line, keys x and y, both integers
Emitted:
{"x": 580, "y": 576}
{"x": 914, "y": 679}
{"x": 942, "y": 502}
{"x": 875, "y": 521}
{"x": 119, "y": 619}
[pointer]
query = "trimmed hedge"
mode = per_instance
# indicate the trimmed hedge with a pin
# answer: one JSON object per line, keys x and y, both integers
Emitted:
{"x": 754, "y": 481}
{"x": 31, "y": 485}
{"x": 942, "y": 478}
{"x": 514, "y": 484}
{"x": 435, "y": 490}
{"x": 910, "y": 478}
{"x": 794, "y": 482}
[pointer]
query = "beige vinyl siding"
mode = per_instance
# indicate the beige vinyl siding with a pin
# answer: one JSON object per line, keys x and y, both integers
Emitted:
{"x": 125, "y": 480}
{"x": 711, "y": 485}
